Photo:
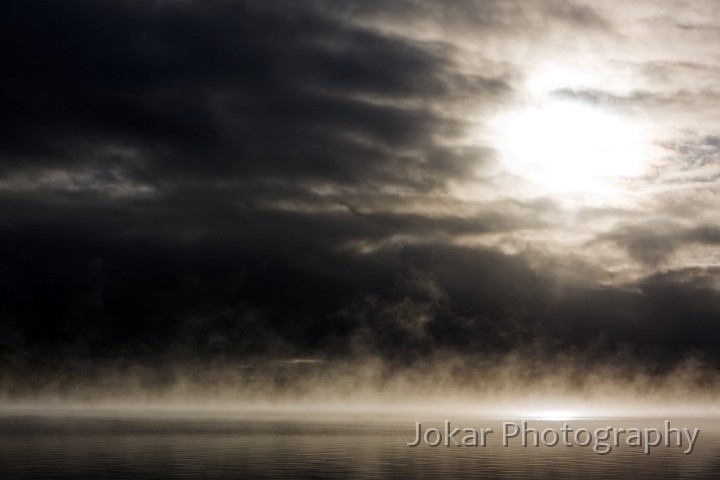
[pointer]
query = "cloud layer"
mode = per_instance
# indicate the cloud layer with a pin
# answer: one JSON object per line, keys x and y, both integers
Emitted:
{"x": 227, "y": 178}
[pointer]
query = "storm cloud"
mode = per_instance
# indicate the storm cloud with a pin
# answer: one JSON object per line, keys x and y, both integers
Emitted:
{"x": 221, "y": 179}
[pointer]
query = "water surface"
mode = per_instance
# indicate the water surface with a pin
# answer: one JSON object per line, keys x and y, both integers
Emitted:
{"x": 124, "y": 445}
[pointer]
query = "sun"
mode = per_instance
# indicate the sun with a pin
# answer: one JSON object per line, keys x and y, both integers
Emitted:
{"x": 570, "y": 146}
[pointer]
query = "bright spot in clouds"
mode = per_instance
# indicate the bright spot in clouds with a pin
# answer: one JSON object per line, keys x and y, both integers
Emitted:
{"x": 570, "y": 146}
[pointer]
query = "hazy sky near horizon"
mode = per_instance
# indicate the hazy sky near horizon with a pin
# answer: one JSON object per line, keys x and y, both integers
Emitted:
{"x": 227, "y": 177}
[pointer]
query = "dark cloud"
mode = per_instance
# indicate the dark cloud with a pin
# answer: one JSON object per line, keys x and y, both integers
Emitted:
{"x": 651, "y": 243}
{"x": 69, "y": 295}
{"x": 602, "y": 98}
{"x": 224, "y": 88}
{"x": 224, "y": 179}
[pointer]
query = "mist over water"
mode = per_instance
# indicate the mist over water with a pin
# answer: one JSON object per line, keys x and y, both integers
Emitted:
{"x": 350, "y": 416}
{"x": 520, "y": 383}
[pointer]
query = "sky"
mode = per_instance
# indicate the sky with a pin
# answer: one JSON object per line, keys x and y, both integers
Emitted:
{"x": 224, "y": 179}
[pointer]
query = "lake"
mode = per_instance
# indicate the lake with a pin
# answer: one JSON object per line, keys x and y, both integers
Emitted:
{"x": 137, "y": 444}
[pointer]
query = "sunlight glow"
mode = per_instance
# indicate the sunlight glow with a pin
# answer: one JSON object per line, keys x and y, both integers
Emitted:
{"x": 570, "y": 146}
{"x": 554, "y": 415}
